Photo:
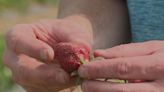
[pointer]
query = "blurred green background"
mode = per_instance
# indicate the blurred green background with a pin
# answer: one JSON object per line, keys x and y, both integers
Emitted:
{"x": 20, "y": 11}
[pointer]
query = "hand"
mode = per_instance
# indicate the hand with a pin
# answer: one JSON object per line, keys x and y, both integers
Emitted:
{"x": 30, "y": 51}
{"x": 135, "y": 61}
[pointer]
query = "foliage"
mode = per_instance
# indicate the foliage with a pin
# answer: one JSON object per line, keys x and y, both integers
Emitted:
{"x": 5, "y": 81}
{"x": 22, "y": 5}
{"x": 14, "y": 4}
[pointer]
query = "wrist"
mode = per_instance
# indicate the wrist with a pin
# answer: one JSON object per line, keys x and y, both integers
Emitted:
{"x": 82, "y": 20}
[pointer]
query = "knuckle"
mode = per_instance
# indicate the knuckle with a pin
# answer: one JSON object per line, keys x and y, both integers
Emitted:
{"x": 158, "y": 67}
{"x": 13, "y": 35}
{"x": 122, "y": 69}
{"x": 15, "y": 30}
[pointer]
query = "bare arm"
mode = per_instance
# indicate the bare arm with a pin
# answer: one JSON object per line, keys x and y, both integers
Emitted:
{"x": 107, "y": 19}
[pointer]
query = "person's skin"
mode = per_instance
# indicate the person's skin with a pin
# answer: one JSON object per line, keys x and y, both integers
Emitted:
{"x": 29, "y": 52}
{"x": 135, "y": 61}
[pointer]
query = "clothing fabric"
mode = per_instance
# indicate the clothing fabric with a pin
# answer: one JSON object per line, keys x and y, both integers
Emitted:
{"x": 147, "y": 19}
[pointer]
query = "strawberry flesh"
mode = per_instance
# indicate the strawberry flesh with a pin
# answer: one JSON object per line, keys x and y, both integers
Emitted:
{"x": 70, "y": 54}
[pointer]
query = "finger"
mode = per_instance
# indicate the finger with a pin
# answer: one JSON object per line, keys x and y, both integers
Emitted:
{"x": 132, "y": 68}
{"x": 27, "y": 70}
{"x": 47, "y": 88}
{"x": 34, "y": 89}
{"x": 129, "y": 50}
{"x": 97, "y": 86}
{"x": 22, "y": 39}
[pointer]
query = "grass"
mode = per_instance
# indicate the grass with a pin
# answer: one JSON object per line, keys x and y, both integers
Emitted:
{"x": 22, "y": 5}
{"x": 5, "y": 80}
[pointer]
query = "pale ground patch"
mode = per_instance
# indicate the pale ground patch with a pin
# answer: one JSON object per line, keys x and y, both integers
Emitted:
{"x": 9, "y": 18}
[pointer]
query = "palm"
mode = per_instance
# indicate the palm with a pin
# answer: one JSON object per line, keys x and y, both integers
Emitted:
{"x": 62, "y": 32}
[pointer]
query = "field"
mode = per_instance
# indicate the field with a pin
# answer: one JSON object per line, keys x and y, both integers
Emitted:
{"x": 12, "y": 13}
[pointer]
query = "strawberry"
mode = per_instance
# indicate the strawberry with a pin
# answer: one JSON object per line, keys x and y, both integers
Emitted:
{"x": 69, "y": 55}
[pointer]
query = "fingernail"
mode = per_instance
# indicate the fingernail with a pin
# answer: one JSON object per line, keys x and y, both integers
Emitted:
{"x": 83, "y": 72}
{"x": 100, "y": 51}
{"x": 44, "y": 55}
{"x": 62, "y": 78}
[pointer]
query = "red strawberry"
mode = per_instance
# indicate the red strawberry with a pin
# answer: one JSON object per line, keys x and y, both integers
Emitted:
{"x": 70, "y": 54}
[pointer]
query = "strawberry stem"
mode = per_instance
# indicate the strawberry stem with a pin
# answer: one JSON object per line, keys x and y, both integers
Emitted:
{"x": 91, "y": 57}
{"x": 126, "y": 81}
{"x": 79, "y": 79}
{"x": 82, "y": 61}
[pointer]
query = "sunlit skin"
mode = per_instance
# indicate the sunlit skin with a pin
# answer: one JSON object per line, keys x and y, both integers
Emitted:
{"x": 135, "y": 61}
{"x": 96, "y": 24}
{"x": 30, "y": 53}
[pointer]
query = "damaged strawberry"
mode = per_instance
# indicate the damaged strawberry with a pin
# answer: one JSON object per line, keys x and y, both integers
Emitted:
{"x": 71, "y": 56}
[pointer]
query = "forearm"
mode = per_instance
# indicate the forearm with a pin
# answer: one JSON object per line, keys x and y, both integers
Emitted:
{"x": 107, "y": 19}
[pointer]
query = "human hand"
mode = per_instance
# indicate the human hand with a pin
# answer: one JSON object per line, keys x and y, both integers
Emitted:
{"x": 30, "y": 51}
{"x": 135, "y": 61}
